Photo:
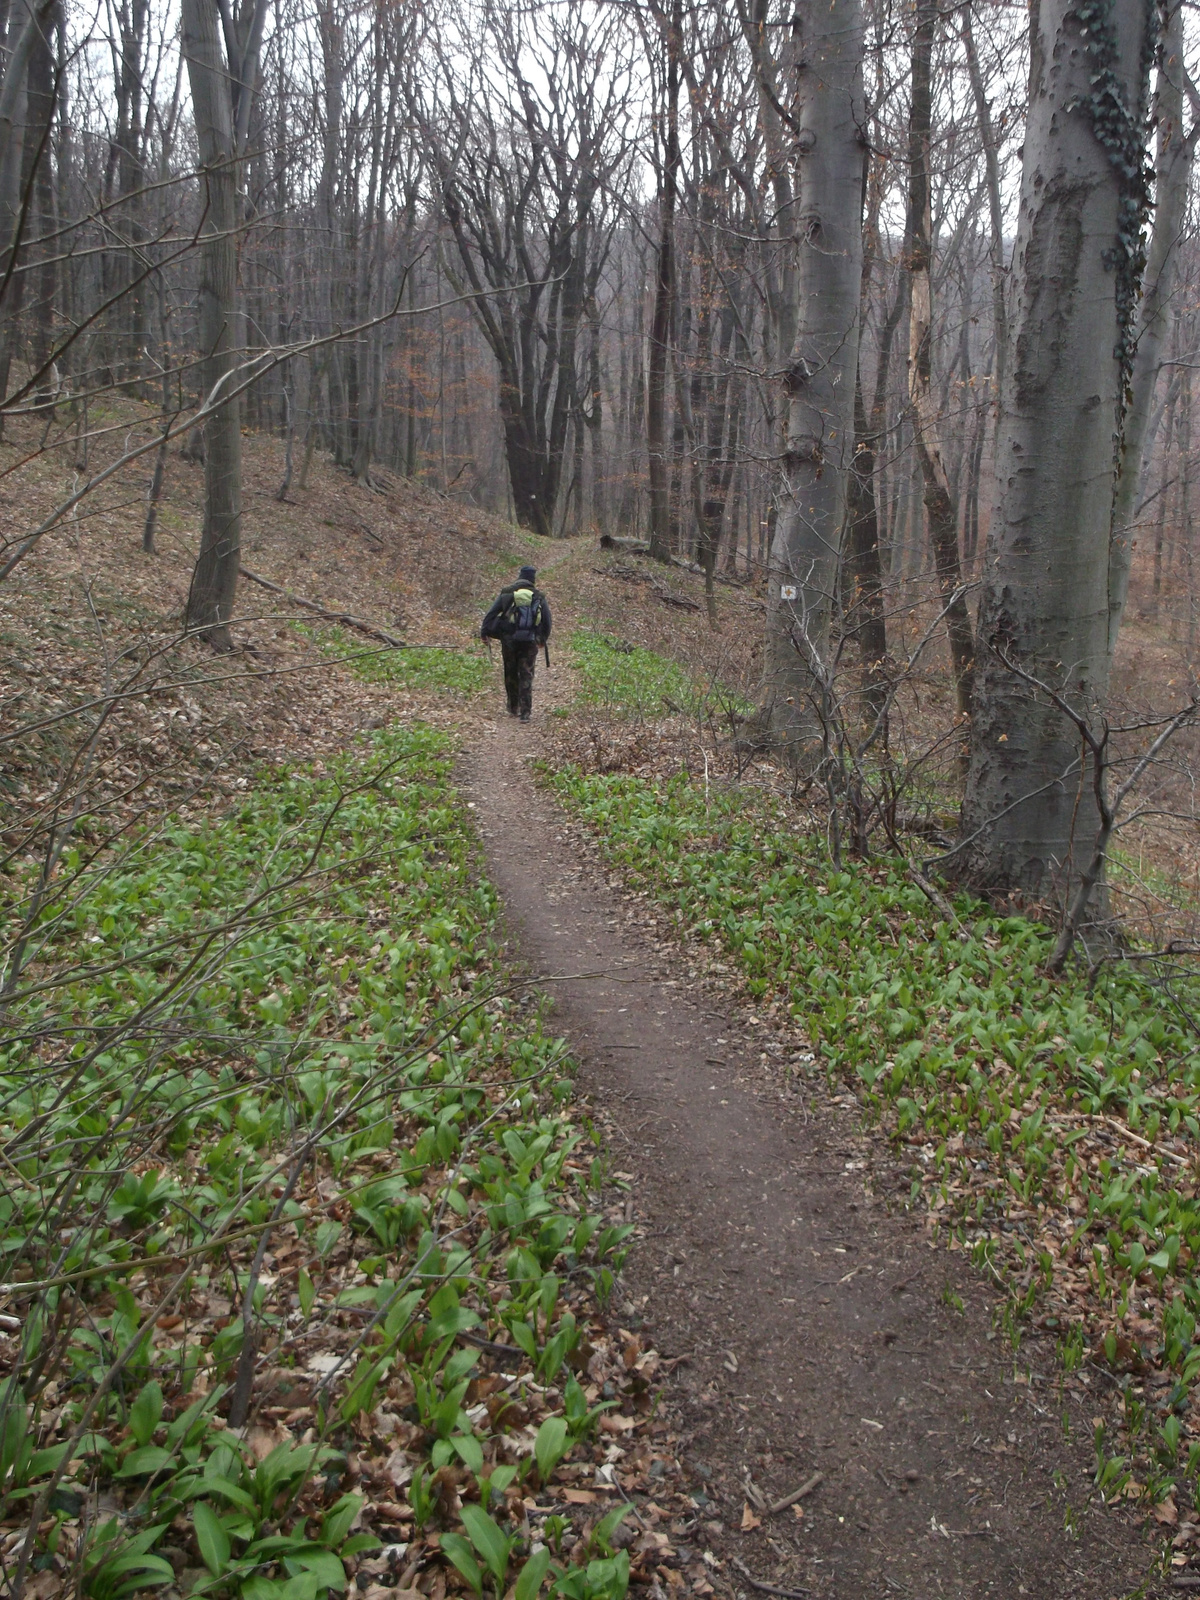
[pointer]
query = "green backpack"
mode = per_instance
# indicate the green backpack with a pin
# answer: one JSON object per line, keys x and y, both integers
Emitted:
{"x": 521, "y": 620}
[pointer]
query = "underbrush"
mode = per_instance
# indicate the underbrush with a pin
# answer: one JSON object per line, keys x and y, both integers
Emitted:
{"x": 428, "y": 667}
{"x": 300, "y": 1250}
{"x": 1053, "y": 1126}
{"x": 625, "y": 678}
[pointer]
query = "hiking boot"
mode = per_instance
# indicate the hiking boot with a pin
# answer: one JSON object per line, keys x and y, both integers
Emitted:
{"x": 512, "y": 711}
{"x": 525, "y": 716}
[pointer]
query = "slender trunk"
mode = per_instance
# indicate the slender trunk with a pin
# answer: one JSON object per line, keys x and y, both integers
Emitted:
{"x": 1027, "y": 812}
{"x": 1164, "y": 490}
{"x": 289, "y": 454}
{"x": 1185, "y": 503}
{"x": 657, "y": 387}
{"x": 1173, "y": 170}
{"x": 160, "y": 455}
{"x": 991, "y": 167}
{"x": 806, "y": 548}
{"x": 214, "y": 581}
{"x": 14, "y": 153}
{"x": 939, "y": 502}
{"x": 866, "y": 608}
{"x": 40, "y": 111}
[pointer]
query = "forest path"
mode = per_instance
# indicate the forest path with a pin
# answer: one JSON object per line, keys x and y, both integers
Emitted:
{"x": 818, "y": 1322}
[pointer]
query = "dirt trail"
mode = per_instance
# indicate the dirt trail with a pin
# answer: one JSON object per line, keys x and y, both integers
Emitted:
{"x": 819, "y": 1322}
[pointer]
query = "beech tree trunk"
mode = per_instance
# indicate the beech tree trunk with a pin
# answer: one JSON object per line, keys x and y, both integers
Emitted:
{"x": 1173, "y": 169}
{"x": 1029, "y": 819}
{"x": 941, "y": 507}
{"x": 657, "y": 387}
{"x": 214, "y": 581}
{"x": 823, "y": 366}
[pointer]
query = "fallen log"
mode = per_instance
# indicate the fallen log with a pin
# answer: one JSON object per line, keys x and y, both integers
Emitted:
{"x": 343, "y": 617}
{"x": 612, "y": 541}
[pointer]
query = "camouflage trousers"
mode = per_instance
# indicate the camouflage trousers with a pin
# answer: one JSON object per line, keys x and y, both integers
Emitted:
{"x": 519, "y": 663}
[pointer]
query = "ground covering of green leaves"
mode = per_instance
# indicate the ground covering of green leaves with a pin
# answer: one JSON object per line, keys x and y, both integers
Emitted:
{"x": 1053, "y": 1129}
{"x": 627, "y": 679}
{"x": 462, "y": 671}
{"x": 273, "y": 1114}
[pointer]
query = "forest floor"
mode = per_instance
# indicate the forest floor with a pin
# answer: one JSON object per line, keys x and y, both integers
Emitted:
{"x": 813, "y": 1331}
{"x": 822, "y": 1337}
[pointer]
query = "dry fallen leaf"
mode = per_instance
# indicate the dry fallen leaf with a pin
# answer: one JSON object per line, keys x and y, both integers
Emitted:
{"x": 263, "y": 1440}
{"x": 797, "y": 1510}
{"x": 749, "y": 1520}
{"x": 614, "y": 1422}
{"x": 1166, "y": 1511}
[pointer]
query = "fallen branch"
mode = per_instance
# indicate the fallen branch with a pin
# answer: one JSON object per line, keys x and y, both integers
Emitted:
{"x": 718, "y": 577}
{"x": 767, "y": 1588}
{"x": 344, "y": 617}
{"x": 933, "y": 894}
{"x": 609, "y": 541}
{"x": 632, "y": 575}
{"x": 503, "y": 1352}
{"x": 669, "y": 599}
{"x": 801, "y": 1493}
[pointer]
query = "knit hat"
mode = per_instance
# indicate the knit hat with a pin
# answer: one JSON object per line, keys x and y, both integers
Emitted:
{"x": 528, "y": 573}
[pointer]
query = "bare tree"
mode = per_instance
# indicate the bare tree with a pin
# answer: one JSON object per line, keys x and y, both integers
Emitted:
{"x": 940, "y": 507}
{"x": 1175, "y": 150}
{"x": 1045, "y": 602}
{"x": 222, "y": 87}
{"x": 820, "y": 379}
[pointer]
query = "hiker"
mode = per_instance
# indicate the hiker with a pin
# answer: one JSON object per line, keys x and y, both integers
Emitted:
{"x": 520, "y": 619}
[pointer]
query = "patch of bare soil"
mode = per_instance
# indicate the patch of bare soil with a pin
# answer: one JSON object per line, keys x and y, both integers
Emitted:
{"x": 825, "y": 1341}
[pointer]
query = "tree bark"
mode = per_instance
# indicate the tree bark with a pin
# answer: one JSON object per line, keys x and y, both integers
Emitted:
{"x": 657, "y": 387}
{"x": 820, "y": 380}
{"x": 214, "y": 581}
{"x": 14, "y": 162}
{"x": 865, "y": 607}
{"x": 1027, "y": 813}
{"x": 991, "y": 167}
{"x": 1173, "y": 170}
{"x": 940, "y": 506}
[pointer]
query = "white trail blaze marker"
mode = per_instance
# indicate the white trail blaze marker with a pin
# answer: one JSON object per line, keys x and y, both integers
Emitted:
{"x": 787, "y": 591}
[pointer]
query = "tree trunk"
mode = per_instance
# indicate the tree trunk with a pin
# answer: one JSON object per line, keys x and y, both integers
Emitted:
{"x": 940, "y": 507}
{"x": 1173, "y": 169}
{"x": 214, "y": 581}
{"x": 1164, "y": 494}
{"x": 865, "y": 603}
{"x": 1028, "y": 810}
{"x": 657, "y": 387}
{"x": 820, "y": 381}
{"x": 867, "y": 619}
{"x": 40, "y": 108}
{"x": 532, "y": 507}
{"x": 14, "y": 153}
{"x": 991, "y": 167}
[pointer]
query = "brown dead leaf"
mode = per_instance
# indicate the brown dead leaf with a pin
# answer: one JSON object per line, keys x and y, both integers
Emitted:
{"x": 614, "y": 1422}
{"x": 263, "y": 1440}
{"x": 749, "y": 1520}
{"x": 579, "y": 1497}
{"x": 1166, "y": 1511}
{"x": 44, "y": 1586}
{"x": 505, "y": 1412}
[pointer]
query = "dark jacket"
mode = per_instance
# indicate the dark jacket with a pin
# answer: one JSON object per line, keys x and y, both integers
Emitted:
{"x": 493, "y": 627}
